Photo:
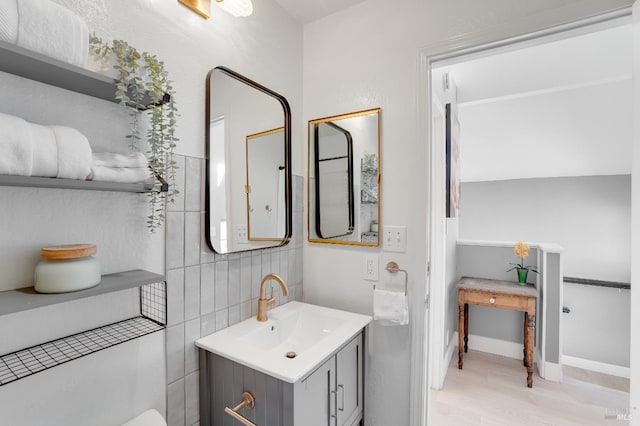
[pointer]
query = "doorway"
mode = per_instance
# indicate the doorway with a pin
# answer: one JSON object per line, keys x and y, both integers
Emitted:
{"x": 443, "y": 231}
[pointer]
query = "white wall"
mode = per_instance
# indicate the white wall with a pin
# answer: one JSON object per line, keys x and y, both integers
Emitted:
{"x": 266, "y": 47}
{"x": 590, "y": 217}
{"x": 366, "y": 56}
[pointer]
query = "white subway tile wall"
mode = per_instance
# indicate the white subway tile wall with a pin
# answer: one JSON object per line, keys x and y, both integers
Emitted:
{"x": 208, "y": 292}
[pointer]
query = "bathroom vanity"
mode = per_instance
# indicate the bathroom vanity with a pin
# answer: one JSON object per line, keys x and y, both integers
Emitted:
{"x": 302, "y": 367}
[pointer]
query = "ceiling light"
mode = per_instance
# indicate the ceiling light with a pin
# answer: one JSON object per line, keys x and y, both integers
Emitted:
{"x": 236, "y": 7}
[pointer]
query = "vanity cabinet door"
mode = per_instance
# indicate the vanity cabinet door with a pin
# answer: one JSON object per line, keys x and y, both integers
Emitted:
{"x": 315, "y": 398}
{"x": 349, "y": 383}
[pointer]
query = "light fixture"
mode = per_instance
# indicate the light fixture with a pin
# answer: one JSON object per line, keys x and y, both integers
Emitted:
{"x": 201, "y": 7}
{"x": 236, "y": 7}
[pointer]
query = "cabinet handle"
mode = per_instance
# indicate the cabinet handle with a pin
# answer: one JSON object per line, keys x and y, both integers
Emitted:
{"x": 332, "y": 404}
{"x": 341, "y": 387}
{"x": 247, "y": 401}
{"x": 492, "y": 300}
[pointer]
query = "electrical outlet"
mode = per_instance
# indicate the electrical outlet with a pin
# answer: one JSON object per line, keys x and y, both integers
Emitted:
{"x": 241, "y": 234}
{"x": 394, "y": 238}
{"x": 370, "y": 267}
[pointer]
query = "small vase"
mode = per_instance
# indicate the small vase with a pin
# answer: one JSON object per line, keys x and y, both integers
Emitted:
{"x": 522, "y": 276}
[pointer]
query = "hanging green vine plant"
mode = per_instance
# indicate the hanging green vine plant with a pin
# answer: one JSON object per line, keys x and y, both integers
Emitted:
{"x": 143, "y": 84}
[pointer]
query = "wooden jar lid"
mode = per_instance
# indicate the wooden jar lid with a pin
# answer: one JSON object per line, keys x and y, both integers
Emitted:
{"x": 68, "y": 251}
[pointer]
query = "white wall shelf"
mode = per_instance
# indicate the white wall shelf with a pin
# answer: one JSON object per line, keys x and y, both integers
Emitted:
{"x": 35, "y": 66}
{"x": 23, "y": 299}
{"x": 34, "y": 359}
{"x": 89, "y": 185}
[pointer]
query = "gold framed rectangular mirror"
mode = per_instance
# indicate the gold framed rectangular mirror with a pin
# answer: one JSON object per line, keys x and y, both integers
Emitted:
{"x": 344, "y": 179}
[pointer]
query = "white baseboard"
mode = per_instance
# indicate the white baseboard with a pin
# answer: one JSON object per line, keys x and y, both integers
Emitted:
{"x": 600, "y": 367}
{"x": 552, "y": 372}
{"x": 446, "y": 361}
{"x": 453, "y": 344}
{"x": 492, "y": 346}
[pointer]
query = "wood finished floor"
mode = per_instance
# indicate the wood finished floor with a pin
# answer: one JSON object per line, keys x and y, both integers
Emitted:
{"x": 491, "y": 390}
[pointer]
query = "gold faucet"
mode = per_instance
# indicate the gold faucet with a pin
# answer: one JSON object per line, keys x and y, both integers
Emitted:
{"x": 263, "y": 302}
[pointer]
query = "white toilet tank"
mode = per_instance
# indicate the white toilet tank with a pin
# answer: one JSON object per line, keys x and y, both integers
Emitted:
{"x": 148, "y": 418}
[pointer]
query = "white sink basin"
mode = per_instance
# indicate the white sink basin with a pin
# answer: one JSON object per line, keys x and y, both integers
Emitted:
{"x": 311, "y": 332}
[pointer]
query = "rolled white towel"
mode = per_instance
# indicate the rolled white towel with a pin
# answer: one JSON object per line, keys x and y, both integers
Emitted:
{"x": 51, "y": 29}
{"x": 16, "y": 146}
{"x": 74, "y": 153}
{"x": 120, "y": 174}
{"x": 9, "y": 21}
{"x": 45, "y": 152}
{"x": 112, "y": 159}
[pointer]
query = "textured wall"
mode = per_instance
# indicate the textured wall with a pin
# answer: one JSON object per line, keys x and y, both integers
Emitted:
{"x": 266, "y": 47}
{"x": 209, "y": 292}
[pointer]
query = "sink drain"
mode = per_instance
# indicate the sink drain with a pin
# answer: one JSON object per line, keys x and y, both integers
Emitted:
{"x": 290, "y": 355}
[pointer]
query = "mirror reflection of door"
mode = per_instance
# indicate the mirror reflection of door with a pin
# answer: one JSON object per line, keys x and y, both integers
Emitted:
{"x": 333, "y": 149}
{"x": 265, "y": 186}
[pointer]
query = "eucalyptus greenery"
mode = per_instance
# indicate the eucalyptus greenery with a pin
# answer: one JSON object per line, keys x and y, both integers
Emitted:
{"x": 143, "y": 84}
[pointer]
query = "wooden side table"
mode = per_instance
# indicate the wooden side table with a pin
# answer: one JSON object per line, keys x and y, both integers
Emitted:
{"x": 497, "y": 294}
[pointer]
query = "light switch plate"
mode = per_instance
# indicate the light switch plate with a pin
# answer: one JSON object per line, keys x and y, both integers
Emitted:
{"x": 394, "y": 238}
{"x": 241, "y": 234}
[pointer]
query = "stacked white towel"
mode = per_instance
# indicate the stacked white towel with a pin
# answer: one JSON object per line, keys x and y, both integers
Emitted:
{"x": 16, "y": 146}
{"x": 113, "y": 167}
{"x": 74, "y": 153}
{"x": 29, "y": 149}
{"x": 45, "y": 156}
{"x": 45, "y": 27}
{"x": 9, "y": 21}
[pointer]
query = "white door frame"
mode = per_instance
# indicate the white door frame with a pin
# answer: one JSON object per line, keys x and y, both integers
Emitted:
{"x": 547, "y": 23}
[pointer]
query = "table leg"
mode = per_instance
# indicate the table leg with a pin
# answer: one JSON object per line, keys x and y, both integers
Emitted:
{"x": 531, "y": 324}
{"x": 466, "y": 327}
{"x": 524, "y": 337}
{"x": 461, "y": 331}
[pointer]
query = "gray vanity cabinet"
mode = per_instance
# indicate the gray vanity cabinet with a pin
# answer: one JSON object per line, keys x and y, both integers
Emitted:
{"x": 314, "y": 397}
{"x": 331, "y": 395}
{"x": 349, "y": 383}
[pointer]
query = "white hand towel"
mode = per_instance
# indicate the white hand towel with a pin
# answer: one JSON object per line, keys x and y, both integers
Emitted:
{"x": 16, "y": 146}
{"x": 74, "y": 153}
{"x": 9, "y": 21}
{"x": 120, "y": 174}
{"x": 48, "y": 28}
{"x": 45, "y": 151}
{"x": 111, "y": 159}
{"x": 390, "y": 307}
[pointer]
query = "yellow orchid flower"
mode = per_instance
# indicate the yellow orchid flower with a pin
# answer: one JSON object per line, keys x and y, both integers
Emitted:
{"x": 521, "y": 249}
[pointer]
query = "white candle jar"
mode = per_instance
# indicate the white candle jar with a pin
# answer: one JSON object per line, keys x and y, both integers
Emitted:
{"x": 67, "y": 268}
